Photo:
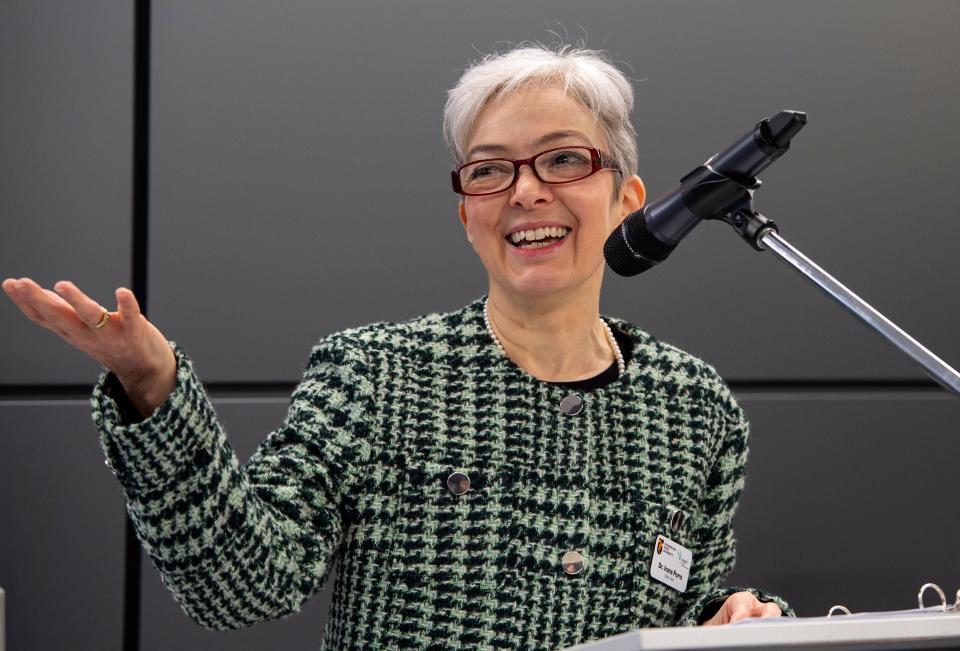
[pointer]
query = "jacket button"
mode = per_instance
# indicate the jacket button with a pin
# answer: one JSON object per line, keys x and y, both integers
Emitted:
{"x": 458, "y": 483}
{"x": 572, "y": 563}
{"x": 676, "y": 520}
{"x": 571, "y": 405}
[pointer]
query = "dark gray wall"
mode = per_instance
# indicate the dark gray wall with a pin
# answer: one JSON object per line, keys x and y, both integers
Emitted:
{"x": 65, "y": 137}
{"x": 284, "y": 206}
{"x": 304, "y": 142}
{"x": 844, "y": 497}
{"x": 61, "y": 529}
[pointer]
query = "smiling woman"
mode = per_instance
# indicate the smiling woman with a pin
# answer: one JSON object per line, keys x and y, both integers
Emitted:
{"x": 518, "y": 473}
{"x": 558, "y": 286}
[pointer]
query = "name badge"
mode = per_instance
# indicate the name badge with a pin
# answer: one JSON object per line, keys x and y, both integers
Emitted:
{"x": 671, "y": 563}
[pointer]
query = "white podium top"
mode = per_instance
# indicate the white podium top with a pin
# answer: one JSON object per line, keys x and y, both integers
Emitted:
{"x": 930, "y": 628}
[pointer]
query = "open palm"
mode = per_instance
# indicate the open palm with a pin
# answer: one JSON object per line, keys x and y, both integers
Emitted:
{"x": 127, "y": 344}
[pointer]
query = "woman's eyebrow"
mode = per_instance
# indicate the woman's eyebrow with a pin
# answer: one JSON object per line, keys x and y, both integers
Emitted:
{"x": 542, "y": 140}
{"x": 560, "y": 135}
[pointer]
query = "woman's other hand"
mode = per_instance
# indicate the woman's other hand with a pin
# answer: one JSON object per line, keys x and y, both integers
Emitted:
{"x": 127, "y": 344}
{"x": 741, "y": 605}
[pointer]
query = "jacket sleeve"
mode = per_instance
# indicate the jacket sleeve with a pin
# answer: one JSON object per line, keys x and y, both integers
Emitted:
{"x": 716, "y": 547}
{"x": 241, "y": 544}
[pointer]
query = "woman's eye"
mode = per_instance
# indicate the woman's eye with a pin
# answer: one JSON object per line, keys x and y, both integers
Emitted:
{"x": 567, "y": 157}
{"x": 487, "y": 170}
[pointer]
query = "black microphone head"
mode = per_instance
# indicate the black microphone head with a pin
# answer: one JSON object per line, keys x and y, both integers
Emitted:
{"x": 632, "y": 249}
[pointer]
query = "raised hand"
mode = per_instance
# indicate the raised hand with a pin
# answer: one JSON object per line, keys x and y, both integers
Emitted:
{"x": 123, "y": 341}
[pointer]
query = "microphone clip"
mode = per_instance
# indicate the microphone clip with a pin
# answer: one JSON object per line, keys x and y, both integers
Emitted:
{"x": 710, "y": 195}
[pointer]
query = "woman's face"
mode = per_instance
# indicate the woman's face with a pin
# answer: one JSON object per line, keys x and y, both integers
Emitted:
{"x": 519, "y": 125}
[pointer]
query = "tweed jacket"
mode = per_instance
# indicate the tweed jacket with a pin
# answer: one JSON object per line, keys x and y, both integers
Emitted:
{"x": 358, "y": 477}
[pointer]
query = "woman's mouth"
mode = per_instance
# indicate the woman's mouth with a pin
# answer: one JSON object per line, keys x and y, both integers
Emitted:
{"x": 538, "y": 238}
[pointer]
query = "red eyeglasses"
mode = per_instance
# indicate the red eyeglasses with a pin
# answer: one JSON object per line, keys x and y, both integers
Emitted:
{"x": 558, "y": 165}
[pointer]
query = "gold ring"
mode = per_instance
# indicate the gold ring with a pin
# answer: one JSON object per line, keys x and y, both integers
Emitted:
{"x": 103, "y": 320}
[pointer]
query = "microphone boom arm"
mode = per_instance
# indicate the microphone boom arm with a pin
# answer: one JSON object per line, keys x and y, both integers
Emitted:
{"x": 766, "y": 237}
{"x": 722, "y": 189}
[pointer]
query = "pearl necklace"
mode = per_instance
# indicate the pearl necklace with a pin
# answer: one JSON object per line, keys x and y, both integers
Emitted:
{"x": 614, "y": 346}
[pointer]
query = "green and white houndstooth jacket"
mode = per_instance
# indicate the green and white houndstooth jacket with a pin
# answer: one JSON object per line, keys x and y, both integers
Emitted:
{"x": 357, "y": 477}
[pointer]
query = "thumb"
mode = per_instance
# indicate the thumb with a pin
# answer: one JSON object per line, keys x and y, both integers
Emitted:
{"x": 127, "y": 303}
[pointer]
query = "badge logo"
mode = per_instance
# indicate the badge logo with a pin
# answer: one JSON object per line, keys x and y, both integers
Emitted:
{"x": 659, "y": 545}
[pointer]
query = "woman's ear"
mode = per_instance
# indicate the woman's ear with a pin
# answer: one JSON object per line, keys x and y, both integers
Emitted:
{"x": 463, "y": 220}
{"x": 632, "y": 195}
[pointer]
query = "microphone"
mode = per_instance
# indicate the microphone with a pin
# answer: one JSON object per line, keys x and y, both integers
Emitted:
{"x": 712, "y": 191}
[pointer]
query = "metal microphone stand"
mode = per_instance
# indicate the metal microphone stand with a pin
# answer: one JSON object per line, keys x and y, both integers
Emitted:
{"x": 762, "y": 234}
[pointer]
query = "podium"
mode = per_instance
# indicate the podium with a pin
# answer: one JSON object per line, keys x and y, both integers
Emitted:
{"x": 916, "y": 629}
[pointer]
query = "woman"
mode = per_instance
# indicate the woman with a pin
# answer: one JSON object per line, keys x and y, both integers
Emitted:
{"x": 513, "y": 474}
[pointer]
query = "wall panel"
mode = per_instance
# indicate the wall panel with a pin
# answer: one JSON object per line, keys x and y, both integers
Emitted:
{"x": 61, "y": 529}
{"x": 300, "y": 183}
{"x": 66, "y": 98}
{"x": 848, "y": 498}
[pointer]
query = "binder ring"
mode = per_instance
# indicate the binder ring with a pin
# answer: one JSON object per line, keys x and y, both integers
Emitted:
{"x": 943, "y": 597}
{"x": 838, "y": 607}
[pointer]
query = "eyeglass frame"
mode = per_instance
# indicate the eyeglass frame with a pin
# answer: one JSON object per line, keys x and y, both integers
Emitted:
{"x": 598, "y": 159}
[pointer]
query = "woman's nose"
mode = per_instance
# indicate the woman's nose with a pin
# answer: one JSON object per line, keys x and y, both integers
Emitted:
{"x": 528, "y": 190}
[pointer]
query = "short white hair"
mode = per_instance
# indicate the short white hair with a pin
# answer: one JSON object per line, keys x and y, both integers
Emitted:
{"x": 586, "y": 75}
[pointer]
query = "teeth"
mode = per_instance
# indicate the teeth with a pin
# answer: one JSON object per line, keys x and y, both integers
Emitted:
{"x": 538, "y": 234}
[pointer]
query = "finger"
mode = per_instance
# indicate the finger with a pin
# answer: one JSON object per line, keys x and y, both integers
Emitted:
{"x": 88, "y": 310}
{"x": 12, "y": 288}
{"x": 127, "y": 303}
{"x": 59, "y": 315}
{"x": 740, "y": 609}
{"x": 62, "y": 308}
{"x": 40, "y": 298}
{"x": 9, "y": 286}
{"x": 771, "y": 610}
{"x": 62, "y": 318}
{"x": 32, "y": 296}
{"x": 739, "y": 614}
